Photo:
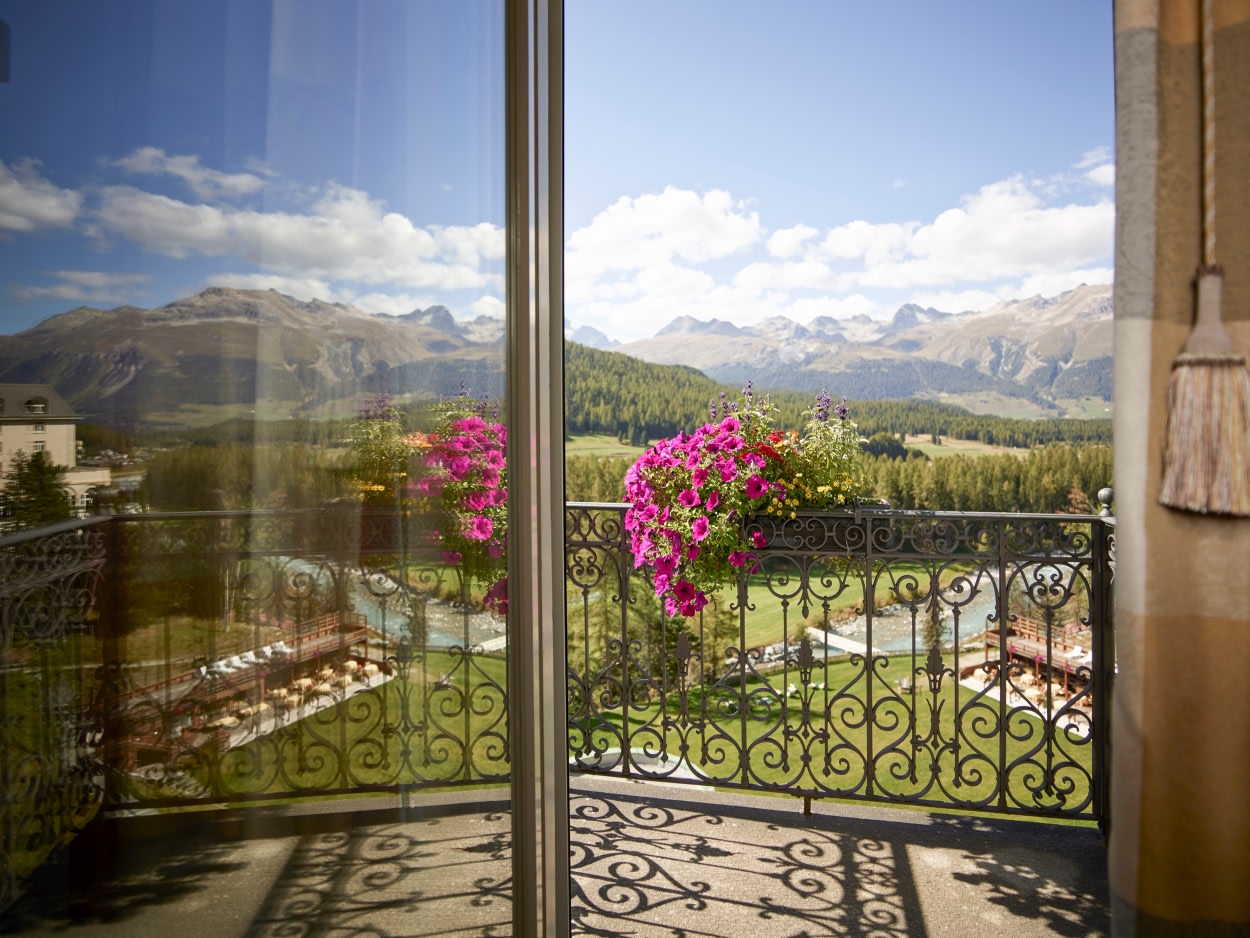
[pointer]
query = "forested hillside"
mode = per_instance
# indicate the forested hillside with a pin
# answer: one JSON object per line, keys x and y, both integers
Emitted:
{"x": 1060, "y": 463}
{"x": 637, "y": 402}
{"x": 1047, "y": 479}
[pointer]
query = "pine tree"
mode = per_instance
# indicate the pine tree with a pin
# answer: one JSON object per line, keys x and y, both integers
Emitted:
{"x": 34, "y": 493}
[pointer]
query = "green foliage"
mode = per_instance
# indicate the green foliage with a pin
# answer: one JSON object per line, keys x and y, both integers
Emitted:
{"x": 890, "y": 446}
{"x": 633, "y": 400}
{"x": 1047, "y": 479}
{"x": 828, "y": 460}
{"x": 380, "y": 453}
{"x": 637, "y": 401}
{"x": 34, "y": 493}
{"x": 595, "y": 478}
{"x": 234, "y": 475}
{"x": 462, "y": 483}
{"x": 95, "y": 439}
{"x": 688, "y": 494}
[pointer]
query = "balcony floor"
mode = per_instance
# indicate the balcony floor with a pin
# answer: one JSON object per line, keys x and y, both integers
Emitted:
{"x": 648, "y": 859}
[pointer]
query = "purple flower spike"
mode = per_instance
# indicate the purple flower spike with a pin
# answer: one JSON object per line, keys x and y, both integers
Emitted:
{"x": 842, "y": 411}
{"x": 821, "y": 412}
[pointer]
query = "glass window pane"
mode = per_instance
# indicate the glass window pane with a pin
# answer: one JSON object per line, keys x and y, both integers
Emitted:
{"x": 254, "y": 333}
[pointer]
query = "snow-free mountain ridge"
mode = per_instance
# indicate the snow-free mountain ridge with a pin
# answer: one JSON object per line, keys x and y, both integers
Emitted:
{"x": 225, "y": 348}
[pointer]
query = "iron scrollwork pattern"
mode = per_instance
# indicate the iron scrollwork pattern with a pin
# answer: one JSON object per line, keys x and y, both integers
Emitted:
{"x": 944, "y": 659}
{"x": 50, "y": 668}
{"x": 168, "y": 659}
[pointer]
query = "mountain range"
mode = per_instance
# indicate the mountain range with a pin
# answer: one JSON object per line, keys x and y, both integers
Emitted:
{"x": 224, "y": 351}
{"x": 1037, "y": 355}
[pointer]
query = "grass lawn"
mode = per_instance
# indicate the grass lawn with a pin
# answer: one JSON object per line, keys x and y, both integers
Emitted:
{"x": 770, "y": 619}
{"x": 843, "y": 735}
{"x": 402, "y": 732}
{"x": 952, "y": 447}
{"x": 600, "y": 445}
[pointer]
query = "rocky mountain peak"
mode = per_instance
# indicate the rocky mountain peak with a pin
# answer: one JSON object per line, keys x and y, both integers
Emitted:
{"x": 436, "y": 317}
{"x": 592, "y": 338}
{"x": 688, "y": 325}
{"x": 910, "y": 314}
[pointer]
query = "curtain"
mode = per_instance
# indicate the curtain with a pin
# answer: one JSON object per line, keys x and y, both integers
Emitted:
{"x": 1180, "y": 823}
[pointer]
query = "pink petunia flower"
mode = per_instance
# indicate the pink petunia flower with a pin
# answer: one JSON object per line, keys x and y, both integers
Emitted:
{"x": 480, "y": 528}
{"x": 684, "y": 590}
{"x": 496, "y": 598}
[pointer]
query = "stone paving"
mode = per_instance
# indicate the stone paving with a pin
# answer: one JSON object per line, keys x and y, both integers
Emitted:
{"x": 647, "y": 859}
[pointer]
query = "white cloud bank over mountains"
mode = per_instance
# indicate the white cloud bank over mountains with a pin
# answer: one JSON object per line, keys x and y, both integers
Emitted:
{"x": 640, "y": 262}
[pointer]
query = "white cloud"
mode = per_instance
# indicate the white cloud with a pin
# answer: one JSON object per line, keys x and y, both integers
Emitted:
{"x": 788, "y": 242}
{"x": 807, "y": 309}
{"x": 388, "y": 304}
{"x": 876, "y": 244}
{"x": 1004, "y": 230}
{"x": 28, "y": 201}
{"x": 85, "y": 286}
{"x": 962, "y": 301}
{"x": 207, "y": 184}
{"x": 302, "y": 288}
{"x": 346, "y": 236}
{"x": 1098, "y": 167}
{"x": 676, "y": 224}
{"x": 1094, "y": 157}
{"x": 306, "y": 289}
{"x": 491, "y": 306}
{"x": 638, "y": 264}
{"x": 632, "y": 270}
{"x": 797, "y": 275}
{"x": 1055, "y": 282}
{"x": 1103, "y": 175}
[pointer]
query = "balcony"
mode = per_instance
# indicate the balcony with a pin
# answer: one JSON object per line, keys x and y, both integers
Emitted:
{"x": 303, "y": 712}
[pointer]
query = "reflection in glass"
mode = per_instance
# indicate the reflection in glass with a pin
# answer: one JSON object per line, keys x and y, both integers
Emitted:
{"x": 253, "y": 272}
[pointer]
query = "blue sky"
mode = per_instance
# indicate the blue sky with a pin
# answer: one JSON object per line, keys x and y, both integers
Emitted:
{"x": 724, "y": 159}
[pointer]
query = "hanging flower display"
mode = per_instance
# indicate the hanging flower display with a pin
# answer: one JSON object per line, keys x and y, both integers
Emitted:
{"x": 689, "y": 494}
{"x": 464, "y": 475}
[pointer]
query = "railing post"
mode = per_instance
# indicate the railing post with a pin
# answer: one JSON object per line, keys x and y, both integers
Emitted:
{"x": 744, "y": 759}
{"x": 112, "y": 627}
{"x": 870, "y": 597}
{"x": 1103, "y": 650}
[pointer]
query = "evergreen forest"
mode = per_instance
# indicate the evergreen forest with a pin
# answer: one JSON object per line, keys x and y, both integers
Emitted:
{"x": 1036, "y": 466}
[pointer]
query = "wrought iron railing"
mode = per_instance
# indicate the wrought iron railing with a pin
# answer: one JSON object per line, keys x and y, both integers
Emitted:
{"x": 162, "y": 660}
{"x": 341, "y": 656}
{"x": 50, "y": 767}
{"x": 944, "y": 659}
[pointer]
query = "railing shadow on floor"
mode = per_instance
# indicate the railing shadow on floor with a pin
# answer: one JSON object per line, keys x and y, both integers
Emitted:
{"x": 646, "y": 859}
{"x": 727, "y": 865}
{"x": 437, "y": 869}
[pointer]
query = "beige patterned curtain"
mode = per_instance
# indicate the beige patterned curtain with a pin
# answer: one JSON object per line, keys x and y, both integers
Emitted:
{"x": 1180, "y": 826}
